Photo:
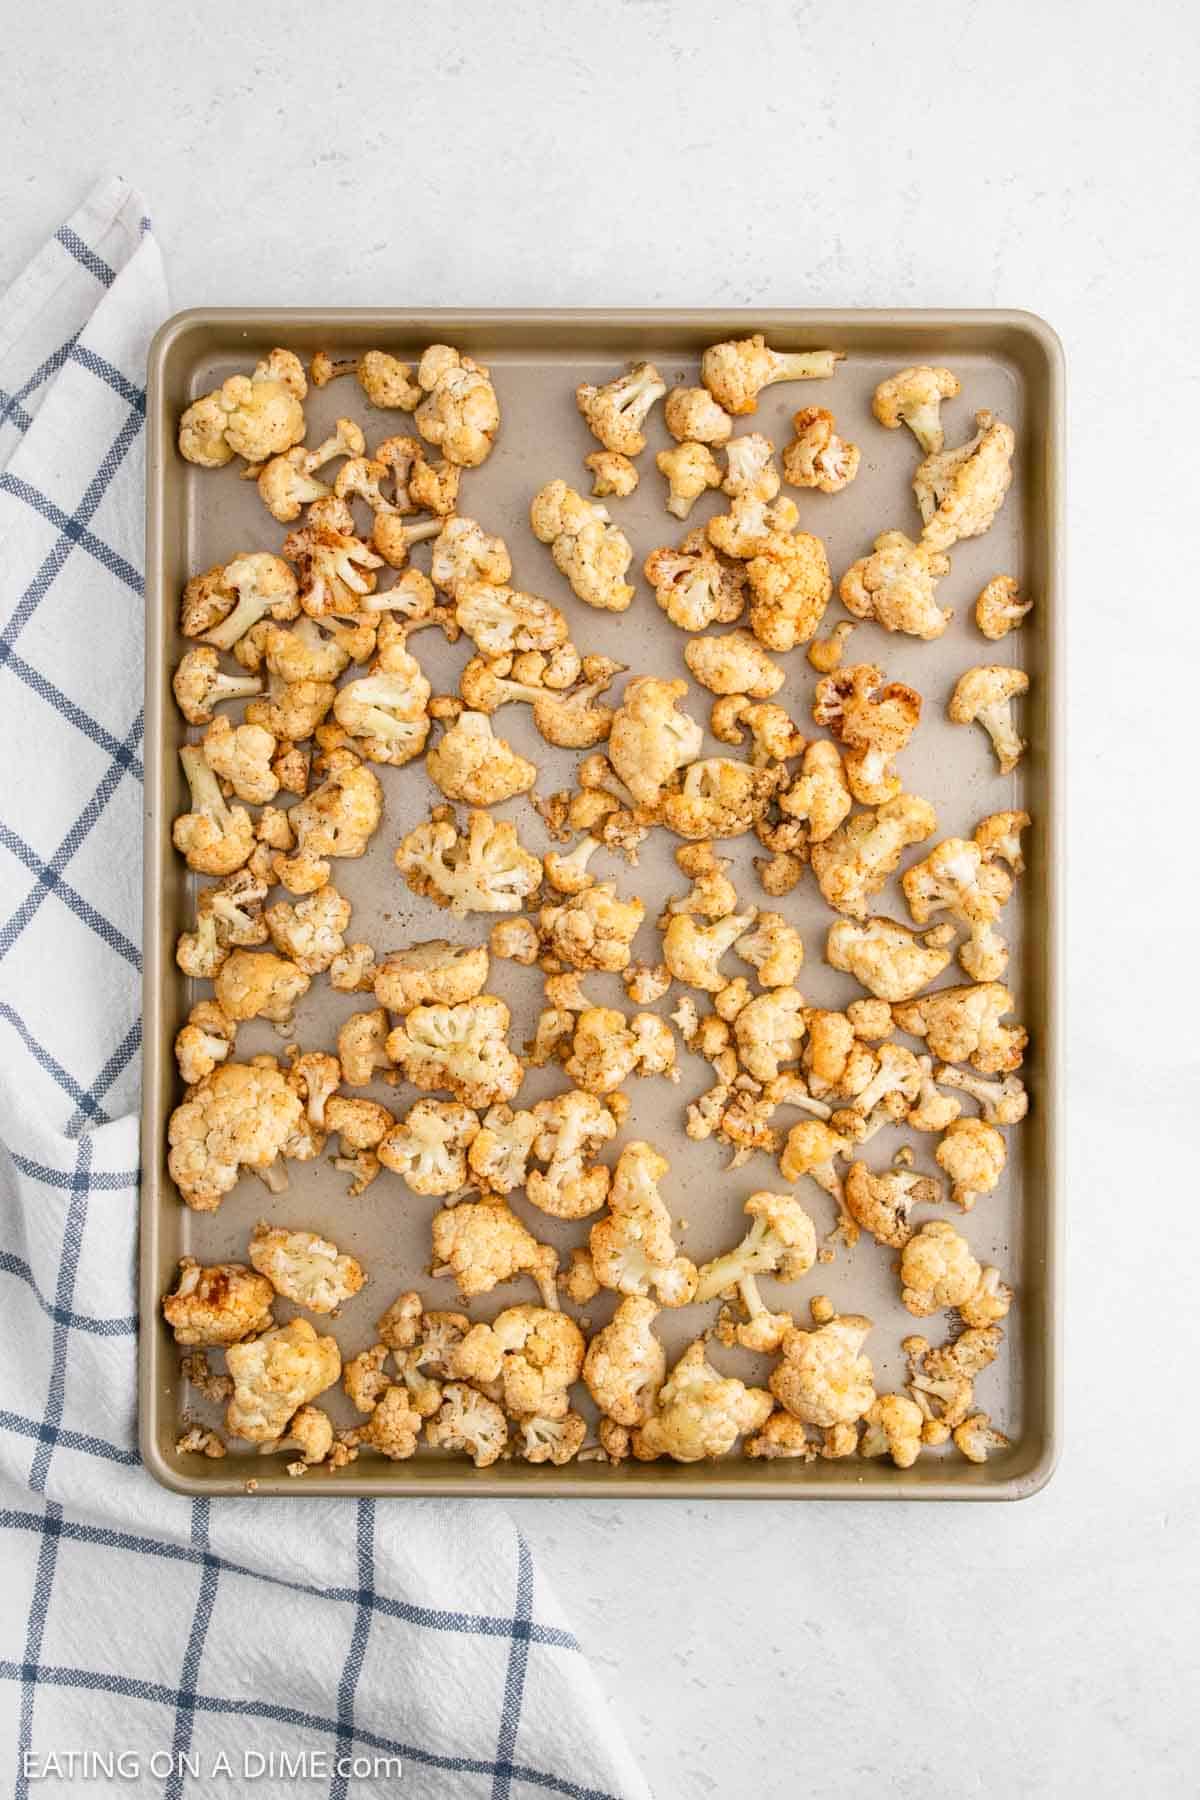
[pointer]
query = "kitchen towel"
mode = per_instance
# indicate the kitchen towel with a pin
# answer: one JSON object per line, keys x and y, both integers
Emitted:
{"x": 152, "y": 1643}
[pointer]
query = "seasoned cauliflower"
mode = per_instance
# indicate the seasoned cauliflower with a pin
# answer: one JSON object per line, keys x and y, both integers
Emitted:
{"x": 485, "y": 871}
{"x": 973, "y": 1154}
{"x": 460, "y": 414}
{"x": 693, "y": 952}
{"x": 464, "y": 555}
{"x": 500, "y": 1149}
{"x": 962, "y": 1024}
{"x": 554, "y": 1441}
{"x": 810, "y": 1150}
{"x": 651, "y": 739}
{"x": 790, "y": 585}
{"x": 482, "y": 1243}
{"x": 393, "y": 1428}
{"x": 819, "y": 796}
{"x": 632, "y": 1248}
{"x": 999, "y": 838}
{"x": 893, "y": 1428}
{"x": 692, "y": 415}
{"x": 468, "y": 1421}
{"x": 564, "y": 715}
{"x": 275, "y": 1375}
{"x": 433, "y": 971}
{"x": 999, "y": 608}
{"x": 462, "y": 1049}
{"x": 386, "y": 711}
{"x": 304, "y": 1267}
{"x": 825, "y": 653}
{"x": 776, "y": 737}
{"x": 750, "y": 470}
{"x": 503, "y": 621}
{"x": 571, "y": 1128}
{"x": 288, "y": 483}
{"x": 768, "y": 1031}
{"x": 625, "y": 1365}
{"x": 873, "y": 719}
{"x": 881, "y": 1203}
{"x": 774, "y": 949}
{"x": 854, "y": 862}
{"x": 960, "y": 491}
{"x": 515, "y": 940}
{"x": 206, "y": 1040}
{"x": 612, "y": 473}
{"x": 427, "y": 1149}
{"x": 532, "y": 1354}
{"x": 385, "y": 380}
{"x": 890, "y": 960}
{"x": 937, "y": 1269}
{"x": 817, "y": 457}
{"x": 694, "y": 585}
{"x": 199, "y": 684}
{"x": 214, "y": 838}
{"x": 954, "y": 878}
{"x": 221, "y": 1304}
{"x": 238, "y": 1117}
{"x": 594, "y": 929}
{"x": 616, "y": 412}
{"x": 1000, "y": 1102}
{"x": 781, "y": 1241}
{"x": 691, "y": 470}
{"x": 471, "y": 763}
{"x": 699, "y": 1413}
{"x": 984, "y": 696}
{"x": 717, "y": 797}
{"x": 586, "y": 546}
{"x": 913, "y": 397}
{"x": 734, "y": 663}
{"x": 340, "y": 817}
{"x": 782, "y": 1436}
{"x": 256, "y": 984}
{"x": 976, "y": 1436}
{"x": 822, "y": 1377}
{"x": 362, "y": 1048}
{"x": 736, "y": 372}
{"x": 606, "y": 1049}
{"x": 896, "y": 585}
{"x": 255, "y": 416}
{"x": 310, "y": 934}
{"x": 228, "y": 916}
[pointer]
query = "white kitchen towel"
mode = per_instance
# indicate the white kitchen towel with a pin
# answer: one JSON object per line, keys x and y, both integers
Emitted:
{"x": 195, "y": 1640}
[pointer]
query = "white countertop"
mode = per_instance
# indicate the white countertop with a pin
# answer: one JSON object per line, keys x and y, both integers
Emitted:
{"x": 1042, "y": 156}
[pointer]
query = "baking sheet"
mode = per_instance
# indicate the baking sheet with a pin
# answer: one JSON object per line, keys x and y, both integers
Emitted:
{"x": 196, "y": 517}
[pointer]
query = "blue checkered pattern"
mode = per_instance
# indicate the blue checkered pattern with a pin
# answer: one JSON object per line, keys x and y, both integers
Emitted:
{"x": 135, "y": 1620}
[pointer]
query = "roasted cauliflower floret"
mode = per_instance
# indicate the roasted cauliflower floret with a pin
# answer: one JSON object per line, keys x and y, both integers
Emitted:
{"x": 960, "y": 491}
{"x": 362, "y": 1048}
{"x": 612, "y": 473}
{"x": 460, "y": 414}
{"x": 954, "y": 878}
{"x": 810, "y": 1149}
{"x": 822, "y": 1377}
{"x": 962, "y": 1024}
{"x": 214, "y": 838}
{"x": 790, "y": 585}
{"x": 855, "y": 861}
{"x": 585, "y": 544}
{"x": 471, "y": 763}
{"x": 486, "y": 870}
{"x": 691, "y": 470}
{"x": 750, "y": 470}
{"x": 606, "y": 1049}
{"x": 571, "y": 1128}
{"x": 393, "y": 1428}
{"x": 736, "y": 372}
{"x": 482, "y": 1243}
{"x": 937, "y": 1269}
{"x": 464, "y": 555}
{"x": 238, "y": 1117}
{"x": 984, "y": 696}
{"x": 256, "y": 984}
{"x": 781, "y": 1241}
{"x": 221, "y": 1304}
{"x": 734, "y": 663}
{"x": 555, "y": 1441}
{"x": 594, "y": 929}
{"x": 241, "y": 755}
{"x": 774, "y": 949}
{"x": 699, "y": 1413}
{"x": 716, "y": 797}
{"x": 255, "y": 416}
{"x": 275, "y": 1375}
{"x": 913, "y": 397}
{"x": 999, "y": 608}
{"x": 693, "y": 952}
{"x": 893, "y": 1428}
{"x": 468, "y": 1421}
{"x": 768, "y": 1031}
{"x": 881, "y": 1203}
{"x": 385, "y": 380}
{"x": 616, "y": 412}
{"x": 462, "y": 1049}
{"x": 625, "y": 1364}
{"x": 999, "y": 838}
{"x": 340, "y": 817}
{"x": 288, "y": 483}
{"x": 1000, "y": 1102}
{"x": 433, "y": 971}
{"x": 304, "y": 1267}
{"x": 873, "y": 719}
{"x": 890, "y": 960}
{"x": 204, "y": 1041}
{"x": 651, "y": 738}
{"x": 817, "y": 457}
{"x": 565, "y": 715}
{"x": 500, "y": 1149}
{"x": 534, "y": 1355}
{"x": 692, "y": 415}
{"x": 310, "y": 933}
{"x": 503, "y": 621}
{"x": 632, "y": 1248}
{"x": 228, "y": 916}
{"x": 427, "y": 1148}
{"x": 199, "y": 684}
{"x": 819, "y": 797}
{"x": 896, "y": 585}
{"x": 973, "y": 1154}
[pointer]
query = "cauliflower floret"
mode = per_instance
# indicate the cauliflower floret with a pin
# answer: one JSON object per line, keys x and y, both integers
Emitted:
{"x": 460, "y": 414}
{"x": 768, "y": 1031}
{"x": 468, "y": 1421}
{"x": 699, "y": 1413}
{"x": 960, "y": 491}
{"x": 942, "y": 1382}
{"x": 954, "y": 878}
{"x": 471, "y": 763}
{"x": 337, "y": 570}
{"x": 352, "y": 970}
{"x": 645, "y": 984}
{"x": 214, "y": 838}
{"x": 895, "y": 586}
{"x": 632, "y": 1248}
{"x": 693, "y": 415}
{"x": 873, "y": 719}
{"x": 734, "y": 663}
{"x": 973, "y": 1154}
{"x": 362, "y": 1048}
{"x": 1000, "y": 1102}
{"x": 534, "y": 1355}
{"x": 304, "y": 1267}
{"x": 555, "y": 1441}
{"x": 976, "y": 1436}
{"x": 989, "y": 1303}
{"x": 482, "y": 1243}
{"x": 716, "y": 797}
{"x": 822, "y": 1377}
{"x": 428, "y": 1146}
{"x": 295, "y": 653}
{"x": 515, "y": 940}
{"x": 606, "y": 1049}
{"x": 221, "y": 1304}
{"x": 241, "y": 755}
{"x": 360, "y": 1125}
{"x": 750, "y": 468}
{"x": 810, "y": 1150}
{"x": 433, "y": 971}
{"x": 616, "y": 412}
{"x": 817, "y": 457}
{"x": 385, "y": 380}
{"x": 854, "y": 862}
{"x": 255, "y": 416}
{"x": 890, "y": 960}
{"x": 199, "y": 684}
{"x": 937, "y": 1269}
{"x": 275, "y": 1375}
{"x": 485, "y": 871}
{"x": 774, "y": 949}
{"x": 422, "y": 1344}
{"x": 893, "y": 1428}
{"x": 500, "y": 1149}
{"x": 962, "y": 1024}
{"x": 781, "y": 1241}
{"x": 776, "y": 737}
{"x": 570, "y": 1128}
{"x": 690, "y": 469}
{"x": 612, "y": 473}
{"x": 999, "y": 608}
{"x": 736, "y": 372}
{"x": 206, "y": 1040}
{"x": 256, "y": 984}
{"x": 226, "y": 603}
{"x": 820, "y": 796}
{"x": 460, "y": 1048}
{"x": 585, "y": 545}
{"x": 825, "y": 653}
{"x": 340, "y": 817}
{"x": 881, "y": 1203}
{"x": 650, "y": 738}
{"x": 393, "y": 1429}
{"x": 913, "y": 397}
{"x": 693, "y": 952}
{"x": 238, "y": 1117}
{"x": 569, "y": 719}
{"x": 782, "y": 1436}
{"x": 310, "y": 934}
{"x": 625, "y": 1364}
{"x": 594, "y": 929}
{"x": 790, "y": 585}
{"x": 984, "y": 695}
{"x": 386, "y": 711}
{"x": 503, "y": 621}
{"x": 228, "y": 916}
{"x": 999, "y": 838}
{"x": 310, "y": 1433}
{"x": 196, "y": 1441}
{"x": 288, "y": 483}
{"x": 465, "y": 555}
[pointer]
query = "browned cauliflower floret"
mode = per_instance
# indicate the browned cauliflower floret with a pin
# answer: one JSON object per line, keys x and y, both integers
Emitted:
{"x": 873, "y": 719}
{"x": 817, "y": 457}
{"x": 774, "y": 949}
{"x": 339, "y": 817}
{"x": 500, "y": 1149}
{"x": 775, "y": 736}
{"x": 1000, "y": 1102}
{"x": 422, "y": 1344}
{"x": 468, "y": 1421}
{"x": 206, "y": 1040}
{"x": 650, "y": 738}
{"x": 750, "y": 471}
{"x": 304, "y": 1267}
{"x": 890, "y": 960}
{"x": 790, "y": 585}
{"x": 736, "y": 372}
{"x": 984, "y": 696}
{"x": 586, "y": 546}
{"x": 693, "y": 952}
{"x": 960, "y": 491}
{"x": 515, "y": 940}
{"x": 226, "y": 603}
{"x": 241, "y": 755}
{"x": 810, "y": 1150}
{"x": 782, "y": 1436}
{"x": 989, "y": 1303}
{"x": 238, "y": 1117}
{"x": 287, "y": 483}
{"x": 717, "y": 797}
{"x": 533, "y": 1354}
{"x": 362, "y": 1048}
{"x": 893, "y": 1428}
{"x": 632, "y": 1248}
{"x": 197, "y": 1441}
{"x": 567, "y": 716}
{"x": 881, "y": 1203}
{"x": 820, "y": 796}
{"x": 616, "y": 412}
{"x": 555, "y": 1441}
{"x": 606, "y": 1049}
{"x": 999, "y": 608}
{"x": 503, "y": 621}
{"x": 214, "y": 837}
{"x": 257, "y": 984}
{"x": 337, "y": 570}
{"x": 310, "y": 934}
{"x": 937, "y": 1269}
{"x": 972, "y": 1153}
{"x": 825, "y": 653}
{"x": 954, "y": 878}
{"x": 221, "y": 1304}
{"x": 962, "y": 1024}
{"x": 310, "y": 1433}
{"x": 276, "y": 1374}
{"x": 855, "y": 861}
{"x": 976, "y": 1436}
{"x": 592, "y": 930}
{"x": 385, "y": 380}
{"x": 460, "y": 414}
{"x": 768, "y": 1031}
{"x": 999, "y": 838}
{"x": 471, "y": 763}
{"x": 199, "y": 684}
{"x": 612, "y": 473}
{"x": 692, "y": 415}
{"x": 462, "y": 1049}
{"x": 255, "y": 416}
{"x": 822, "y": 1377}
{"x": 691, "y": 470}
{"x": 365, "y": 1378}
{"x": 571, "y": 1128}
{"x": 942, "y": 1382}
{"x": 625, "y": 1364}
{"x": 895, "y": 586}
{"x": 487, "y": 870}
{"x": 734, "y": 663}
{"x": 781, "y": 1241}
{"x": 393, "y": 1429}
{"x": 913, "y": 397}
{"x": 482, "y": 1243}
{"x": 694, "y": 585}
{"x": 428, "y": 1147}
{"x": 699, "y": 1413}
{"x": 433, "y": 971}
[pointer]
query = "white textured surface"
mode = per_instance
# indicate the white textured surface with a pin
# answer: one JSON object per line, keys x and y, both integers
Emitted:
{"x": 1035, "y": 155}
